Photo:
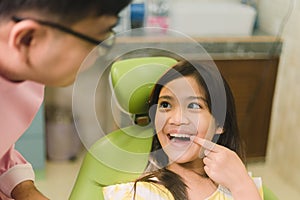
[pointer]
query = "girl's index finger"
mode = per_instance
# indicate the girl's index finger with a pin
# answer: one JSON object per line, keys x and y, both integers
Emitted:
{"x": 209, "y": 145}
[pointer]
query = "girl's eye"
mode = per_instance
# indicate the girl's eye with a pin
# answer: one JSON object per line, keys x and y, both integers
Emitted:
{"x": 194, "y": 106}
{"x": 164, "y": 104}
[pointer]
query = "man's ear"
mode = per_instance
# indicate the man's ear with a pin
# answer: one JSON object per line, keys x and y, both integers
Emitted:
{"x": 220, "y": 130}
{"x": 23, "y": 36}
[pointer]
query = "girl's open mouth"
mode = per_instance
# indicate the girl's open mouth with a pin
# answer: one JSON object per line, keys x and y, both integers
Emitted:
{"x": 179, "y": 137}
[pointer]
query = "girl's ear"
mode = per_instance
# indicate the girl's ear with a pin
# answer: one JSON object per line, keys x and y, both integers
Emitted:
{"x": 220, "y": 130}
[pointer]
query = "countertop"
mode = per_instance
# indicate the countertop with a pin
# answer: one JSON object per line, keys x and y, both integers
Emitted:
{"x": 258, "y": 46}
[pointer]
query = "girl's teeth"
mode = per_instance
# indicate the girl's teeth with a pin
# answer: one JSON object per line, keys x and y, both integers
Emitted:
{"x": 180, "y": 135}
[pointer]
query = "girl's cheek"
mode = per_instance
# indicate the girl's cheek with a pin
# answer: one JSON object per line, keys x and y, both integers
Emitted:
{"x": 207, "y": 130}
{"x": 160, "y": 121}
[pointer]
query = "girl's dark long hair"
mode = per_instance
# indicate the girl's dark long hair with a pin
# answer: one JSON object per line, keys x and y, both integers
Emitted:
{"x": 220, "y": 103}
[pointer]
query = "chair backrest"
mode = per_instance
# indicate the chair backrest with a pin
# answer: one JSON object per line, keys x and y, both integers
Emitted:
{"x": 127, "y": 149}
{"x": 133, "y": 79}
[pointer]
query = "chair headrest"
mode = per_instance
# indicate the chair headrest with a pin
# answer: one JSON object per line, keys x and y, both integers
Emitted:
{"x": 133, "y": 79}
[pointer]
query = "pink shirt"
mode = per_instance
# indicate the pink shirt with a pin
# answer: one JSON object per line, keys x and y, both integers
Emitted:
{"x": 19, "y": 103}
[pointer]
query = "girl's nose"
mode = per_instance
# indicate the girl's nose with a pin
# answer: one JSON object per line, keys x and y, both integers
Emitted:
{"x": 178, "y": 117}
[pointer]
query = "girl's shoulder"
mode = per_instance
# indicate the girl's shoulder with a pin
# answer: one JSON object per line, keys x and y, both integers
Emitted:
{"x": 142, "y": 191}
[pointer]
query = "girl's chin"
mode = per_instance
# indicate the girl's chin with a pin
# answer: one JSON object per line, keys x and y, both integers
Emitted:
{"x": 182, "y": 156}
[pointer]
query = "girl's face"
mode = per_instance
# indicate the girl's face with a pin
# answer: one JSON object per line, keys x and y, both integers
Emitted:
{"x": 182, "y": 111}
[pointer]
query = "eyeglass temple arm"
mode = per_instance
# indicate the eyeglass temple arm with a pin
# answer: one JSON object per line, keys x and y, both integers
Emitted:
{"x": 60, "y": 27}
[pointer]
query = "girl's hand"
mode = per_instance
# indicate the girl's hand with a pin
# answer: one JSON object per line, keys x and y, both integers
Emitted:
{"x": 224, "y": 167}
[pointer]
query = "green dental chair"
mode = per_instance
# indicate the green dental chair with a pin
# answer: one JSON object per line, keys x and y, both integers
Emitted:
{"x": 121, "y": 156}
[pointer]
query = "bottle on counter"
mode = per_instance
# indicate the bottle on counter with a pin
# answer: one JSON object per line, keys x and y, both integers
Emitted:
{"x": 63, "y": 143}
{"x": 124, "y": 20}
{"x": 158, "y": 13}
{"x": 137, "y": 13}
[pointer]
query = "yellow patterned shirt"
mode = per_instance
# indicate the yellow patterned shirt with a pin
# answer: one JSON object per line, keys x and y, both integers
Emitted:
{"x": 153, "y": 191}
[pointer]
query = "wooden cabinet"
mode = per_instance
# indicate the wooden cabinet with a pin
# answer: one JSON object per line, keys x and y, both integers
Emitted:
{"x": 252, "y": 82}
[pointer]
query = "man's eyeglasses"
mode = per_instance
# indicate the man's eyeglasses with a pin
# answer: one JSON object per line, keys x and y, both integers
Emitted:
{"x": 105, "y": 45}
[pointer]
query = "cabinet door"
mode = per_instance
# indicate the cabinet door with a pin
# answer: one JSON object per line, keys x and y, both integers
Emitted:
{"x": 252, "y": 83}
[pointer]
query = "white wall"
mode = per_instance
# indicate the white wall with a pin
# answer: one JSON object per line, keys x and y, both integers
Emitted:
{"x": 284, "y": 144}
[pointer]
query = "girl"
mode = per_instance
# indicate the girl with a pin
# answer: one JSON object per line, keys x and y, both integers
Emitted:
{"x": 184, "y": 163}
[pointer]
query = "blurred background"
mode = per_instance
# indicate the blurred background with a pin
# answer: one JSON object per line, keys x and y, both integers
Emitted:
{"x": 255, "y": 44}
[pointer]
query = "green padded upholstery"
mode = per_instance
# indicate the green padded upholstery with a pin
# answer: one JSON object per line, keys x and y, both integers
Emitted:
{"x": 122, "y": 155}
{"x": 133, "y": 80}
{"x": 117, "y": 158}
{"x": 268, "y": 194}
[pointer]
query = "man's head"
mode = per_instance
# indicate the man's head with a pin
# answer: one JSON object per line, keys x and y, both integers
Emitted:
{"x": 32, "y": 49}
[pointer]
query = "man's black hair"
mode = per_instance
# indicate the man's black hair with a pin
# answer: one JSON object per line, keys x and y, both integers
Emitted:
{"x": 65, "y": 11}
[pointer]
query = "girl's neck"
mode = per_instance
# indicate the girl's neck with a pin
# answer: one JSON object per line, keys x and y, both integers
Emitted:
{"x": 195, "y": 167}
{"x": 195, "y": 178}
